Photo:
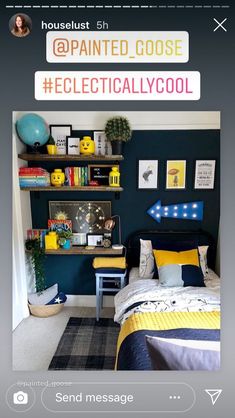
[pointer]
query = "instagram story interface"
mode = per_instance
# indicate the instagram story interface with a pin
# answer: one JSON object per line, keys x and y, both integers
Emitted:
{"x": 117, "y": 126}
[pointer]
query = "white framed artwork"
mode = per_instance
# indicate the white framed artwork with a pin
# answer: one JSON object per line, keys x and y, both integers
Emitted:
{"x": 73, "y": 145}
{"x": 204, "y": 174}
{"x": 148, "y": 174}
{"x": 102, "y": 145}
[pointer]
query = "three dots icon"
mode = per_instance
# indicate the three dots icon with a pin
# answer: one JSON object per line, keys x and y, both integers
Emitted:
{"x": 174, "y": 397}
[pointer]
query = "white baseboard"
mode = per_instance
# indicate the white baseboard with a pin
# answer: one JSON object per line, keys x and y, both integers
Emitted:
{"x": 88, "y": 301}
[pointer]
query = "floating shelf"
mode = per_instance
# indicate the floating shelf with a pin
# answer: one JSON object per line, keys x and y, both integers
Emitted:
{"x": 84, "y": 251}
{"x": 48, "y": 157}
{"x": 73, "y": 189}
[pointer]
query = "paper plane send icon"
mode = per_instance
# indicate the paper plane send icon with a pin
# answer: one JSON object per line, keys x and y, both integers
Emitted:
{"x": 214, "y": 394}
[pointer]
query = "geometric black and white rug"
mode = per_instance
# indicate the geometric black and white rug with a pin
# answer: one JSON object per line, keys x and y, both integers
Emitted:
{"x": 87, "y": 345}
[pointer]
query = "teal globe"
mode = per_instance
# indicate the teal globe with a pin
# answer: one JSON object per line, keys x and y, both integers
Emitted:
{"x": 32, "y": 130}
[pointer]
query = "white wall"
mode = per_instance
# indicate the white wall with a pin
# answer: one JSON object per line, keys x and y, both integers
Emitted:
{"x": 139, "y": 120}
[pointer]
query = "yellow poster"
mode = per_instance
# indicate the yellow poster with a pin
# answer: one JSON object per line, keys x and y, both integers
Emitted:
{"x": 175, "y": 174}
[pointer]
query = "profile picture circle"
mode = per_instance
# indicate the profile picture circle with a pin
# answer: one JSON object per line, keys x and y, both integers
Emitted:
{"x": 20, "y": 25}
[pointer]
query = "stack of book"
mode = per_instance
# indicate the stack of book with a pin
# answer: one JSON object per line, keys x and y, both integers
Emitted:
{"x": 37, "y": 234}
{"x": 76, "y": 176}
{"x": 33, "y": 177}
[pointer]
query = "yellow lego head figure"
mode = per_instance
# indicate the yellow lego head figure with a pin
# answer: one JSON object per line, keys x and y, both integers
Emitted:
{"x": 57, "y": 177}
{"x": 87, "y": 146}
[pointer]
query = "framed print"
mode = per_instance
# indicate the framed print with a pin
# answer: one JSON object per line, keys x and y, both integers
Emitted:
{"x": 176, "y": 174}
{"x": 102, "y": 145}
{"x": 59, "y": 133}
{"x": 95, "y": 240}
{"x": 204, "y": 174}
{"x": 148, "y": 174}
{"x": 100, "y": 173}
{"x": 86, "y": 216}
{"x": 73, "y": 145}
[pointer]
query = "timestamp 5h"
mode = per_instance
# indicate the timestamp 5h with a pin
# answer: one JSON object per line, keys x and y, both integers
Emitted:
{"x": 102, "y": 25}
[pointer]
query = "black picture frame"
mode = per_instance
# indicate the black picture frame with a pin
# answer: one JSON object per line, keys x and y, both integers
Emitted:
{"x": 82, "y": 213}
{"x": 100, "y": 173}
{"x": 59, "y": 133}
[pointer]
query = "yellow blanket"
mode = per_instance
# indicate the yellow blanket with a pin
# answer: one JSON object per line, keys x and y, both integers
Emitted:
{"x": 158, "y": 321}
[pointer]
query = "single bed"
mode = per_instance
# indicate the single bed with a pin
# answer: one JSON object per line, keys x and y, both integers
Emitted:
{"x": 168, "y": 328}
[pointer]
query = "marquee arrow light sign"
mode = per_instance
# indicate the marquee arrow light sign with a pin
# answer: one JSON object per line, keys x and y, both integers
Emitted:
{"x": 191, "y": 210}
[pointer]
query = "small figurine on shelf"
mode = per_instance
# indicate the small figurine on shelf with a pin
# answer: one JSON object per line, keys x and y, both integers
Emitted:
{"x": 57, "y": 177}
{"x": 87, "y": 146}
{"x": 51, "y": 146}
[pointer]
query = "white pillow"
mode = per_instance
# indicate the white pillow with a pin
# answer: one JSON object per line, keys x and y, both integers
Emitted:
{"x": 146, "y": 267}
{"x": 42, "y": 298}
{"x": 134, "y": 275}
{"x": 203, "y": 259}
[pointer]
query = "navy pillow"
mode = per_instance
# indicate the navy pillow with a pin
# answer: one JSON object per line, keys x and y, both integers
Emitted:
{"x": 192, "y": 276}
{"x": 177, "y": 275}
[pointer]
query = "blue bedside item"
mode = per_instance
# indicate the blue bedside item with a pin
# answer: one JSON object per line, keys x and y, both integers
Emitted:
{"x": 103, "y": 277}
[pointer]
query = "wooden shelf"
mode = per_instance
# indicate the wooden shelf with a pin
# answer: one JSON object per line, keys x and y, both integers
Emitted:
{"x": 84, "y": 251}
{"x": 73, "y": 189}
{"x": 47, "y": 157}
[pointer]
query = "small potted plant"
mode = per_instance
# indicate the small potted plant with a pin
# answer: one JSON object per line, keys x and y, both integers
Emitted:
{"x": 118, "y": 131}
{"x": 37, "y": 308}
{"x": 65, "y": 239}
{"x": 51, "y": 146}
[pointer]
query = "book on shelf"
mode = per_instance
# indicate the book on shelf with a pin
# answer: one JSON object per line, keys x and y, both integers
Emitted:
{"x": 34, "y": 184}
{"x": 33, "y": 177}
{"x": 30, "y": 171}
{"x": 37, "y": 234}
{"x": 76, "y": 176}
{"x": 59, "y": 225}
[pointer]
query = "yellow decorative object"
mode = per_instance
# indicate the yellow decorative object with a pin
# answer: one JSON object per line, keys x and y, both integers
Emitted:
{"x": 51, "y": 241}
{"x": 114, "y": 177}
{"x": 87, "y": 146}
{"x": 164, "y": 258}
{"x": 109, "y": 262}
{"x": 57, "y": 177}
{"x": 51, "y": 149}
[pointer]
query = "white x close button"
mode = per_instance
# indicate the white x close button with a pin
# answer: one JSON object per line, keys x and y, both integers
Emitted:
{"x": 220, "y": 24}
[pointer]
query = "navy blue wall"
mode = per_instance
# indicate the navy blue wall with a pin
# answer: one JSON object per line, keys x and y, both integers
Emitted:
{"x": 74, "y": 273}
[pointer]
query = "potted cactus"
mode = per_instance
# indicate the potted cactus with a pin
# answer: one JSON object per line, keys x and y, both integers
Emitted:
{"x": 51, "y": 146}
{"x": 118, "y": 131}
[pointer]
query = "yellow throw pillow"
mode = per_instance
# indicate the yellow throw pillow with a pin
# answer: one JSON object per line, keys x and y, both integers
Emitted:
{"x": 164, "y": 258}
{"x": 109, "y": 262}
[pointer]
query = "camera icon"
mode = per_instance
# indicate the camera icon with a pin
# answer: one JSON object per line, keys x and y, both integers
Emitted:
{"x": 20, "y": 398}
